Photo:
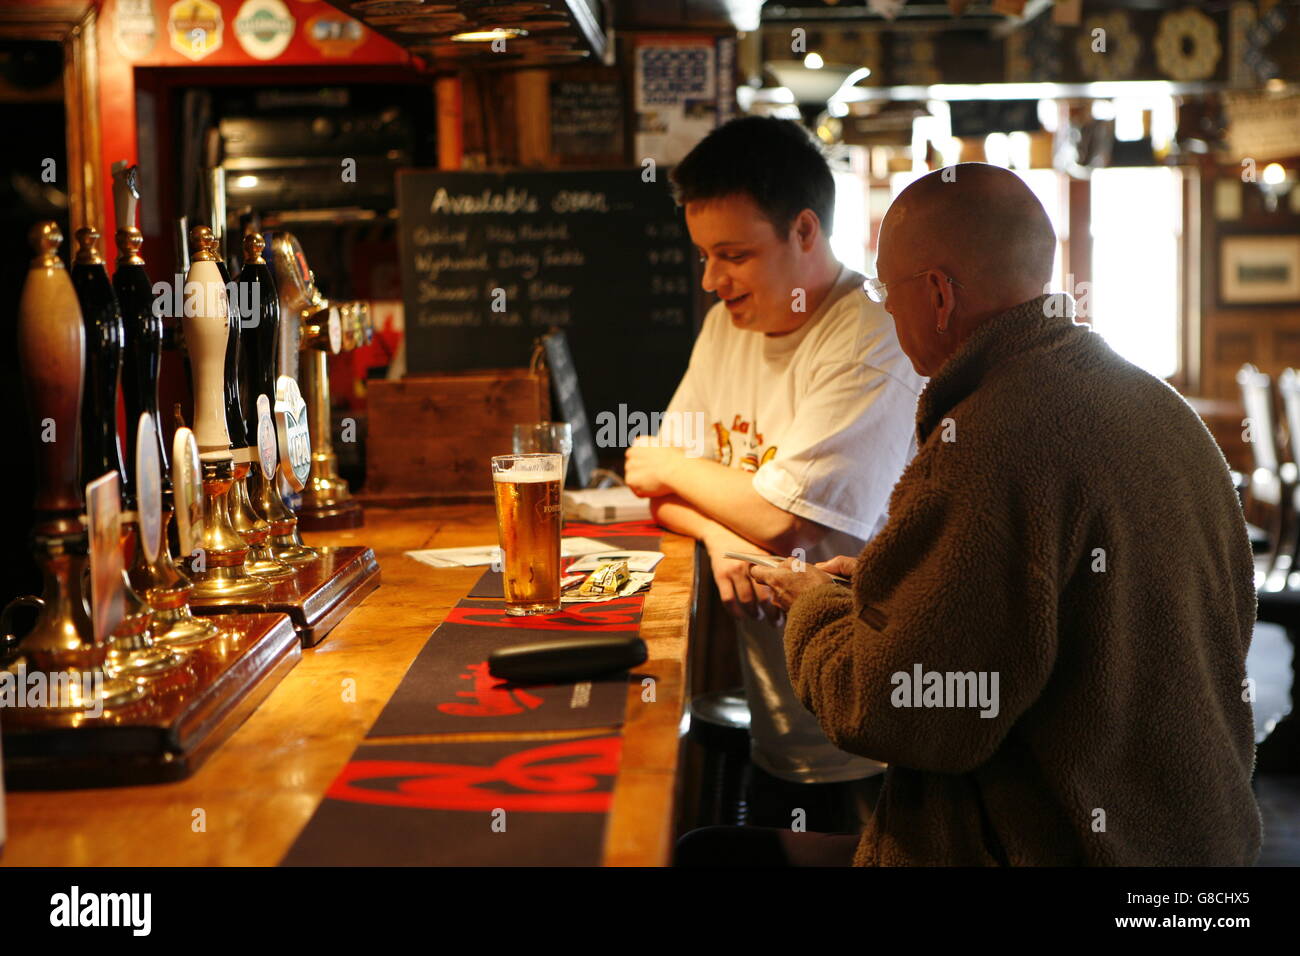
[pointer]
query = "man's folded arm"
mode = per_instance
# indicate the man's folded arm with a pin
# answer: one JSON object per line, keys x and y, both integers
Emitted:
{"x": 677, "y": 514}
{"x": 938, "y": 591}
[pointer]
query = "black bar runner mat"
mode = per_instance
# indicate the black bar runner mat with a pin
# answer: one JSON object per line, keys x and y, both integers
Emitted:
{"x": 487, "y": 803}
{"x": 511, "y": 803}
{"x": 448, "y": 688}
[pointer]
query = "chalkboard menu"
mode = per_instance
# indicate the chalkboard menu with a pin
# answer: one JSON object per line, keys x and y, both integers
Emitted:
{"x": 491, "y": 261}
{"x": 586, "y": 118}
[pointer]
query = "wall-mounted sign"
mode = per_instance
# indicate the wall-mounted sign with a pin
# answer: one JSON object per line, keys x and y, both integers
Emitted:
{"x": 1187, "y": 45}
{"x": 264, "y": 28}
{"x": 135, "y": 28}
{"x": 586, "y": 117}
{"x": 676, "y": 99}
{"x": 1261, "y": 125}
{"x": 1259, "y": 270}
{"x": 194, "y": 28}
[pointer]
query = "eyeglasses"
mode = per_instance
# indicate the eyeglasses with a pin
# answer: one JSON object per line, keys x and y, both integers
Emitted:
{"x": 875, "y": 289}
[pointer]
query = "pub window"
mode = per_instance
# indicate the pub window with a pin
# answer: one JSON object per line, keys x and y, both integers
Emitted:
{"x": 1132, "y": 299}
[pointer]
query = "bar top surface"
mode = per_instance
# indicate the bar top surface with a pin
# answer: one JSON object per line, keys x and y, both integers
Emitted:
{"x": 262, "y": 785}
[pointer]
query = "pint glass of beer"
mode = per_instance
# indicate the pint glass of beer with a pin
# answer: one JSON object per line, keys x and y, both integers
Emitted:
{"x": 527, "y": 490}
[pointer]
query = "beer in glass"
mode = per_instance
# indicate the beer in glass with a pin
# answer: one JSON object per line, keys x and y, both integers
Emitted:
{"x": 527, "y": 491}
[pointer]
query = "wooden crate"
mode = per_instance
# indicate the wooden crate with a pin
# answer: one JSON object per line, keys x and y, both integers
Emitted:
{"x": 432, "y": 436}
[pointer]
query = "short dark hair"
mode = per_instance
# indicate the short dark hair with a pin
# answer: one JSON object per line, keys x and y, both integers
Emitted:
{"x": 775, "y": 162}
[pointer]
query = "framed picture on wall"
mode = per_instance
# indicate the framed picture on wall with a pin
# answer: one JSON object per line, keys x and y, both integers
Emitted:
{"x": 1259, "y": 270}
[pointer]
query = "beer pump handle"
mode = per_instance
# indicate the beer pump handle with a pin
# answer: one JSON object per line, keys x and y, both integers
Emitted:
{"x": 206, "y": 333}
{"x": 52, "y": 355}
{"x": 260, "y": 341}
{"x": 126, "y": 194}
{"x": 235, "y": 425}
{"x": 143, "y": 327}
{"x": 102, "y": 319}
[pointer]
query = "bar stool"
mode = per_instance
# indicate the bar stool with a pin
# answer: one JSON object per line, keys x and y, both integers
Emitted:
{"x": 1288, "y": 387}
{"x": 1272, "y": 484}
{"x": 720, "y": 725}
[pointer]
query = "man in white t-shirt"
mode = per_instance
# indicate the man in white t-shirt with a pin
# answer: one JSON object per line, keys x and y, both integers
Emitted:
{"x": 808, "y": 404}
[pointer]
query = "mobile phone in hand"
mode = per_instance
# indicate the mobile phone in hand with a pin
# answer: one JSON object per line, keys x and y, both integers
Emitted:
{"x": 771, "y": 561}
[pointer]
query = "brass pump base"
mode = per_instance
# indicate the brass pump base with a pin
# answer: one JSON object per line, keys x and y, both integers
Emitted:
{"x": 284, "y": 542}
{"x": 62, "y": 643}
{"x": 167, "y": 591}
{"x": 222, "y": 578}
{"x": 254, "y": 529}
{"x": 132, "y": 653}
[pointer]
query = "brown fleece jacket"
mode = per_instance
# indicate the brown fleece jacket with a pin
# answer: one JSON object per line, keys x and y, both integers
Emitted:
{"x": 1068, "y": 524}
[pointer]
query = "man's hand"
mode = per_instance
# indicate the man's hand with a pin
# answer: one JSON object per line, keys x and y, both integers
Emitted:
{"x": 786, "y": 583}
{"x": 741, "y": 596}
{"x": 841, "y": 564}
{"x": 648, "y": 469}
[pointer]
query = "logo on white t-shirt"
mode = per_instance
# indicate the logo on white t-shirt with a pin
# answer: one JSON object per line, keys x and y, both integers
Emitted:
{"x": 750, "y": 440}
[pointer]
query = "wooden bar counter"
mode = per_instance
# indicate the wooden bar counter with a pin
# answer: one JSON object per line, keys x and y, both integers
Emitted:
{"x": 249, "y": 802}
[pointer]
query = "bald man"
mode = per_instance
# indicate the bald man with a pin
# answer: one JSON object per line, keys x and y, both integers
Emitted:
{"x": 1047, "y": 641}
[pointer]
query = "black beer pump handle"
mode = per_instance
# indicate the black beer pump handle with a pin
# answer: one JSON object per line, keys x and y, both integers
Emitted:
{"x": 258, "y": 344}
{"x": 102, "y": 319}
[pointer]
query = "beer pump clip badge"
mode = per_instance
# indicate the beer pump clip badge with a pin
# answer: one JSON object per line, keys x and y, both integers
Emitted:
{"x": 148, "y": 488}
{"x": 335, "y": 331}
{"x": 187, "y": 489}
{"x": 291, "y": 428}
{"x": 267, "y": 452}
{"x": 103, "y": 516}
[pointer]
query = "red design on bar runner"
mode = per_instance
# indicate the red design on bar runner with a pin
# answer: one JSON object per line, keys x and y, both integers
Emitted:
{"x": 554, "y": 778}
{"x": 639, "y": 529}
{"x": 620, "y": 614}
{"x": 492, "y": 697}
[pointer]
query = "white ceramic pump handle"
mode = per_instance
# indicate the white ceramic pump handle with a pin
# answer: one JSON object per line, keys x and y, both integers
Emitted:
{"x": 207, "y": 327}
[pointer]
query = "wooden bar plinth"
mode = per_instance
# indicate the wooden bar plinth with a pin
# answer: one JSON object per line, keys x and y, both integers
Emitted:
{"x": 318, "y": 596}
{"x": 342, "y": 514}
{"x": 168, "y": 734}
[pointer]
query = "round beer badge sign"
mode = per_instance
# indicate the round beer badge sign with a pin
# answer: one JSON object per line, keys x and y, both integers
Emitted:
{"x": 187, "y": 490}
{"x": 148, "y": 488}
{"x": 264, "y": 28}
{"x": 267, "y": 452}
{"x": 291, "y": 429}
{"x": 336, "y": 331}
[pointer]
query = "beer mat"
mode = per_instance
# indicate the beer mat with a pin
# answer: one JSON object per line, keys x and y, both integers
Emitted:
{"x": 636, "y": 560}
{"x": 448, "y": 690}
{"x": 497, "y": 803}
{"x": 484, "y": 554}
{"x": 491, "y": 587}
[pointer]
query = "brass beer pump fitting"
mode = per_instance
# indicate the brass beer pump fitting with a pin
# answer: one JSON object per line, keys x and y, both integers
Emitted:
{"x": 218, "y": 571}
